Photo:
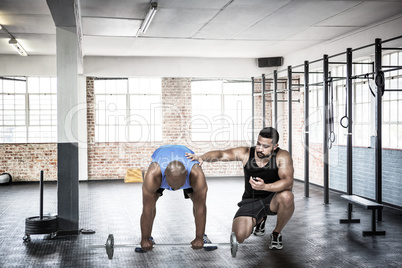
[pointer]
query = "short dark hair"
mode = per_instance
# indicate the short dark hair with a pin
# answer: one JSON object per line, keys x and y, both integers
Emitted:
{"x": 176, "y": 174}
{"x": 270, "y": 133}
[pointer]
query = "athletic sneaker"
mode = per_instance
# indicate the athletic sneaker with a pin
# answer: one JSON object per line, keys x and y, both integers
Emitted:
{"x": 140, "y": 250}
{"x": 206, "y": 242}
{"x": 276, "y": 241}
{"x": 260, "y": 228}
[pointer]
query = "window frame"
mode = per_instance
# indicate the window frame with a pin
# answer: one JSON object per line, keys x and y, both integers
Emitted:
{"x": 390, "y": 97}
{"x": 123, "y": 129}
{"x": 29, "y": 136}
{"x": 221, "y": 122}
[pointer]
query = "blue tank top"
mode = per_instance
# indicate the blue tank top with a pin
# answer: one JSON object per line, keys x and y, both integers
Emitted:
{"x": 168, "y": 153}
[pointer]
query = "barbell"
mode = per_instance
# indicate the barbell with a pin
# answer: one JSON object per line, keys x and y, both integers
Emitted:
{"x": 110, "y": 245}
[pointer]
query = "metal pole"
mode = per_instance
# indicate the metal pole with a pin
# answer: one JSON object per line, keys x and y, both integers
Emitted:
{"x": 306, "y": 131}
{"x": 275, "y": 97}
{"x": 263, "y": 100}
{"x": 252, "y": 110}
{"x": 378, "y": 122}
{"x": 349, "y": 155}
{"x": 290, "y": 110}
{"x": 41, "y": 195}
{"x": 325, "y": 130}
{"x": 349, "y": 149}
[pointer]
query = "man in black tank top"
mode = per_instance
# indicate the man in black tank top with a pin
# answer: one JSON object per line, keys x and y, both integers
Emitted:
{"x": 268, "y": 183}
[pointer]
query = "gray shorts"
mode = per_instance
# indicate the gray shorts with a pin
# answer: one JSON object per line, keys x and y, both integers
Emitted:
{"x": 255, "y": 207}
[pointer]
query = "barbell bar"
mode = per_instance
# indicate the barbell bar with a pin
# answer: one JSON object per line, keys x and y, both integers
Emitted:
{"x": 110, "y": 245}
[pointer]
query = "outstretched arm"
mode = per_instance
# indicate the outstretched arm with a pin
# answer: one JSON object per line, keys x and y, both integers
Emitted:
{"x": 199, "y": 198}
{"x": 234, "y": 154}
{"x": 150, "y": 185}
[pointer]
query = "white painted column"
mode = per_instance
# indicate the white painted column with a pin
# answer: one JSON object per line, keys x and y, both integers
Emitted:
{"x": 82, "y": 128}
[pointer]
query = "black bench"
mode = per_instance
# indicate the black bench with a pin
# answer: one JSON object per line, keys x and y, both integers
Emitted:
{"x": 367, "y": 204}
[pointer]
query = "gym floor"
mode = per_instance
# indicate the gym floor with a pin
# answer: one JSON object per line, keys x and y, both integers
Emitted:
{"x": 313, "y": 237}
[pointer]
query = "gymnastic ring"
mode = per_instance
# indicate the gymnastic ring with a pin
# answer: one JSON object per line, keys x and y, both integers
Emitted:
{"x": 329, "y": 143}
{"x": 332, "y": 136}
{"x": 342, "y": 121}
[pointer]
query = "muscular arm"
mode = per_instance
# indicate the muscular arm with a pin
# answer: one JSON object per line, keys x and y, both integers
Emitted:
{"x": 234, "y": 154}
{"x": 199, "y": 197}
{"x": 285, "y": 172}
{"x": 150, "y": 185}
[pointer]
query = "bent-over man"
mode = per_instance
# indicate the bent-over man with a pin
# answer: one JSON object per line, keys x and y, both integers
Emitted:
{"x": 171, "y": 170}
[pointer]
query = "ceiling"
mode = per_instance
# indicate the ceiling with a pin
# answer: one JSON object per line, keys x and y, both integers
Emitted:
{"x": 191, "y": 28}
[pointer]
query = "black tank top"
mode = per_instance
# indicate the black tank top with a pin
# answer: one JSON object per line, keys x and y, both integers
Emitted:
{"x": 269, "y": 173}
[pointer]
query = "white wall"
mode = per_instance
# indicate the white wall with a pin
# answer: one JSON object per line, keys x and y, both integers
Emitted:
{"x": 15, "y": 65}
{"x": 170, "y": 67}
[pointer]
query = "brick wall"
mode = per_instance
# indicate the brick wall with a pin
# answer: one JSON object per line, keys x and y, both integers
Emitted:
{"x": 90, "y": 111}
{"x": 298, "y": 132}
{"x": 315, "y": 149}
{"x": 176, "y": 112}
{"x": 258, "y": 106}
{"x": 25, "y": 161}
{"x": 111, "y": 160}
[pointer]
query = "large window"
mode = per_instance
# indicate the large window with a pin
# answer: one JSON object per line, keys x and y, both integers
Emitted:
{"x": 361, "y": 100}
{"x": 363, "y": 104}
{"x": 339, "y": 98}
{"x": 128, "y": 110}
{"x": 392, "y": 103}
{"x": 28, "y": 110}
{"x": 221, "y": 110}
{"x": 315, "y": 107}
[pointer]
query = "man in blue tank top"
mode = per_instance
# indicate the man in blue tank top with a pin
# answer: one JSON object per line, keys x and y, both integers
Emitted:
{"x": 170, "y": 169}
{"x": 268, "y": 174}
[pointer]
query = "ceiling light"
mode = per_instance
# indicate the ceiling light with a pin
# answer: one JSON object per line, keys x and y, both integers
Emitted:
{"x": 14, "y": 42}
{"x": 18, "y": 47}
{"x": 148, "y": 18}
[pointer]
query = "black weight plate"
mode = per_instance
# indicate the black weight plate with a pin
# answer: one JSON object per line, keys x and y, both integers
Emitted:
{"x": 110, "y": 246}
{"x": 233, "y": 244}
{"x": 87, "y": 231}
{"x": 36, "y": 225}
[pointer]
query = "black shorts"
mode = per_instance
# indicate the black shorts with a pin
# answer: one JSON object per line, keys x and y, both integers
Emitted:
{"x": 185, "y": 192}
{"x": 255, "y": 207}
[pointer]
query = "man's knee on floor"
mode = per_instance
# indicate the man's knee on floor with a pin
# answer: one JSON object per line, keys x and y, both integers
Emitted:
{"x": 242, "y": 227}
{"x": 241, "y": 235}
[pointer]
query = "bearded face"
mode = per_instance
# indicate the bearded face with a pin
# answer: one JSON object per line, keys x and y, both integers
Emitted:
{"x": 264, "y": 147}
